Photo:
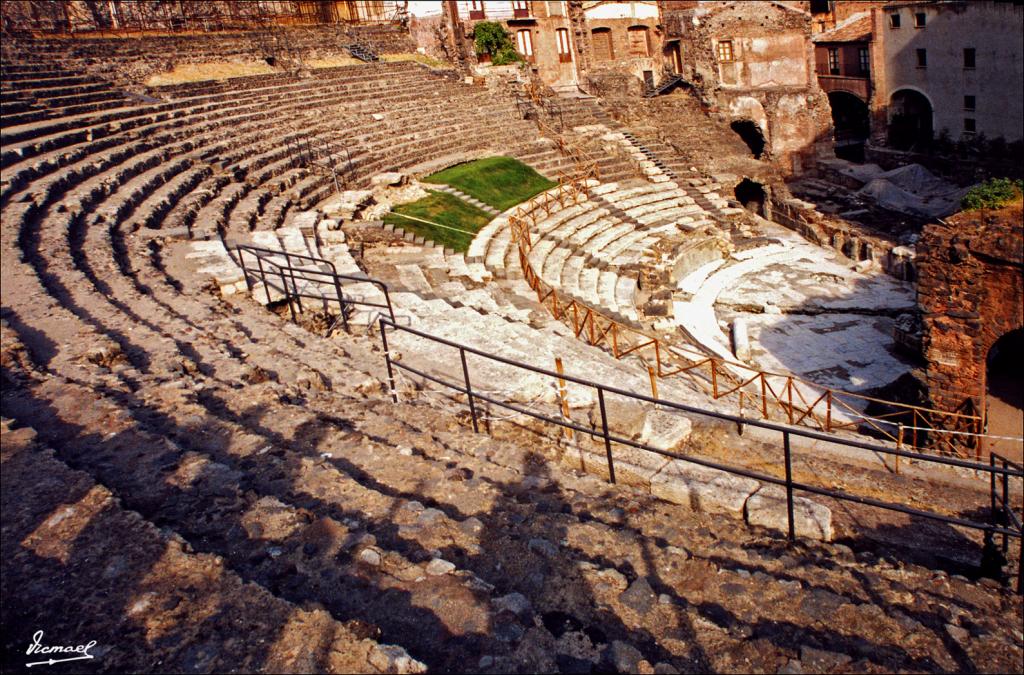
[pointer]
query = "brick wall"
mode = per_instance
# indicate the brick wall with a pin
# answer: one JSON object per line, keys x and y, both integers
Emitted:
{"x": 971, "y": 291}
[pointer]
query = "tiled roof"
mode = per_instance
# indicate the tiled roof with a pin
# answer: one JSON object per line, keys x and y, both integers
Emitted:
{"x": 855, "y": 29}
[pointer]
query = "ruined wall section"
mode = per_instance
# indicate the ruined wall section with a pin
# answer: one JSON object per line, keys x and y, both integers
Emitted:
{"x": 763, "y": 73}
{"x": 971, "y": 292}
{"x": 131, "y": 61}
{"x": 624, "y": 55}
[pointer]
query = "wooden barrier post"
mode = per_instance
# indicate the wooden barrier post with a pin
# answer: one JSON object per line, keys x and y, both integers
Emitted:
{"x": 654, "y": 381}
{"x": 899, "y": 445}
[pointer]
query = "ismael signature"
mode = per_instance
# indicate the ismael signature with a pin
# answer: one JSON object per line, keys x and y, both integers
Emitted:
{"x": 81, "y": 652}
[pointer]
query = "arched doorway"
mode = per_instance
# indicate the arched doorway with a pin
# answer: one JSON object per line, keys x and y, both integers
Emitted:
{"x": 751, "y": 135}
{"x": 850, "y": 121}
{"x": 910, "y": 120}
{"x": 1004, "y": 394}
{"x": 751, "y": 195}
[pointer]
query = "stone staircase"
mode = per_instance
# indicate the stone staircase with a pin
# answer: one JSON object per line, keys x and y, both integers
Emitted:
{"x": 667, "y": 84}
{"x": 486, "y": 208}
{"x": 361, "y": 52}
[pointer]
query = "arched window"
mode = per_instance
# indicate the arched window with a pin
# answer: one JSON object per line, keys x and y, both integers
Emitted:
{"x": 524, "y": 41}
{"x": 639, "y": 44}
{"x": 602, "y": 40}
{"x": 564, "y": 50}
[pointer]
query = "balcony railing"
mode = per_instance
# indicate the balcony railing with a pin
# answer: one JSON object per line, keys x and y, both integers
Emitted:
{"x": 858, "y": 86}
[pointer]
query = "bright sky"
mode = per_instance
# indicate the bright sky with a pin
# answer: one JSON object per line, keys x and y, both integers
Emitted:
{"x": 424, "y": 7}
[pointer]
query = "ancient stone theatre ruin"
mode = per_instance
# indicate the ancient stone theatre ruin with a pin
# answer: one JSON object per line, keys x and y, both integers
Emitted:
{"x": 494, "y": 336}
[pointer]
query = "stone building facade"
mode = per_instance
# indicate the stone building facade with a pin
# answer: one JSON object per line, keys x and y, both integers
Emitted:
{"x": 971, "y": 293}
{"x": 953, "y": 66}
{"x": 568, "y": 44}
{"x": 755, "y": 61}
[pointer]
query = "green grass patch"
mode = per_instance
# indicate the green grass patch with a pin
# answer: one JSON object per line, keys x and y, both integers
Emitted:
{"x": 501, "y": 182}
{"x": 992, "y": 194}
{"x": 443, "y": 209}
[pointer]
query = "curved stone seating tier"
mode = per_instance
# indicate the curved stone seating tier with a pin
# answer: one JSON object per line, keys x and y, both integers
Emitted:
{"x": 180, "y": 402}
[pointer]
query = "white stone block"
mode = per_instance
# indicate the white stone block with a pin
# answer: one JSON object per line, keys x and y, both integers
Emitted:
{"x": 767, "y": 508}
{"x": 702, "y": 489}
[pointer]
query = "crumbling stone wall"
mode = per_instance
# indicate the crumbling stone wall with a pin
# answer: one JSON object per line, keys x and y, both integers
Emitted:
{"x": 971, "y": 292}
{"x": 769, "y": 80}
{"x": 824, "y": 230}
{"x": 622, "y": 61}
{"x": 129, "y": 61}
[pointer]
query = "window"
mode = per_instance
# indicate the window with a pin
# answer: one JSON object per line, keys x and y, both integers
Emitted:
{"x": 970, "y": 125}
{"x": 476, "y": 9}
{"x": 833, "y": 60}
{"x": 638, "y": 43}
{"x": 969, "y": 102}
{"x": 564, "y": 51}
{"x": 520, "y": 9}
{"x": 555, "y": 8}
{"x": 602, "y": 40}
{"x": 922, "y": 58}
{"x": 864, "y": 60}
{"x": 919, "y": 20}
{"x": 894, "y": 21}
{"x": 969, "y": 57}
{"x": 524, "y": 42}
{"x": 725, "y": 50}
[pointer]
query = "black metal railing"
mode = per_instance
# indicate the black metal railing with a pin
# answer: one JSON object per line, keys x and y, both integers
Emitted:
{"x": 321, "y": 156}
{"x": 299, "y": 277}
{"x": 1000, "y": 501}
{"x": 1006, "y": 471}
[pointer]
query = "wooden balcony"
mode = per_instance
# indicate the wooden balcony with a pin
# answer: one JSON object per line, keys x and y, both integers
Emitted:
{"x": 858, "y": 86}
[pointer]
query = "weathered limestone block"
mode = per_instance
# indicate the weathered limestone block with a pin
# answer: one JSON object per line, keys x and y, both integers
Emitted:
{"x": 740, "y": 339}
{"x": 658, "y": 427}
{"x": 767, "y": 508}
{"x": 632, "y": 467}
{"x": 665, "y": 429}
{"x": 389, "y": 179}
{"x": 346, "y": 203}
{"x": 702, "y": 489}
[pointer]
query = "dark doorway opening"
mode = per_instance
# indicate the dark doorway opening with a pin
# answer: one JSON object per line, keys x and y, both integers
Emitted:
{"x": 751, "y": 194}
{"x": 910, "y": 127}
{"x": 751, "y": 135}
{"x": 850, "y": 122}
{"x": 1004, "y": 394}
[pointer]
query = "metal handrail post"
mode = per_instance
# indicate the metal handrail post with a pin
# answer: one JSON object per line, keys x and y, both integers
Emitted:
{"x": 789, "y": 484}
{"x": 1006, "y": 506}
{"x": 287, "y": 296}
{"x": 263, "y": 278}
{"x": 604, "y": 432}
{"x": 387, "y": 360}
{"x": 469, "y": 389}
{"x": 245, "y": 270}
{"x": 295, "y": 286}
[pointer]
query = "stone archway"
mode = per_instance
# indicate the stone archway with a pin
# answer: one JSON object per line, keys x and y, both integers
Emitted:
{"x": 910, "y": 120}
{"x": 850, "y": 121}
{"x": 752, "y": 195}
{"x": 1004, "y": 393}
{"x": 971, "y": 293}
{"x": 751, "y": 135}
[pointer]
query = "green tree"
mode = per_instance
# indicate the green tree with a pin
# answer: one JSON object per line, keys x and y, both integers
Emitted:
{"x": 492, "y": 38}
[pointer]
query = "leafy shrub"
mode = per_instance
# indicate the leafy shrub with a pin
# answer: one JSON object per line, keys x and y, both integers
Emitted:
{"x": 992, "y": 194}
{"x": 491, "y": 38}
